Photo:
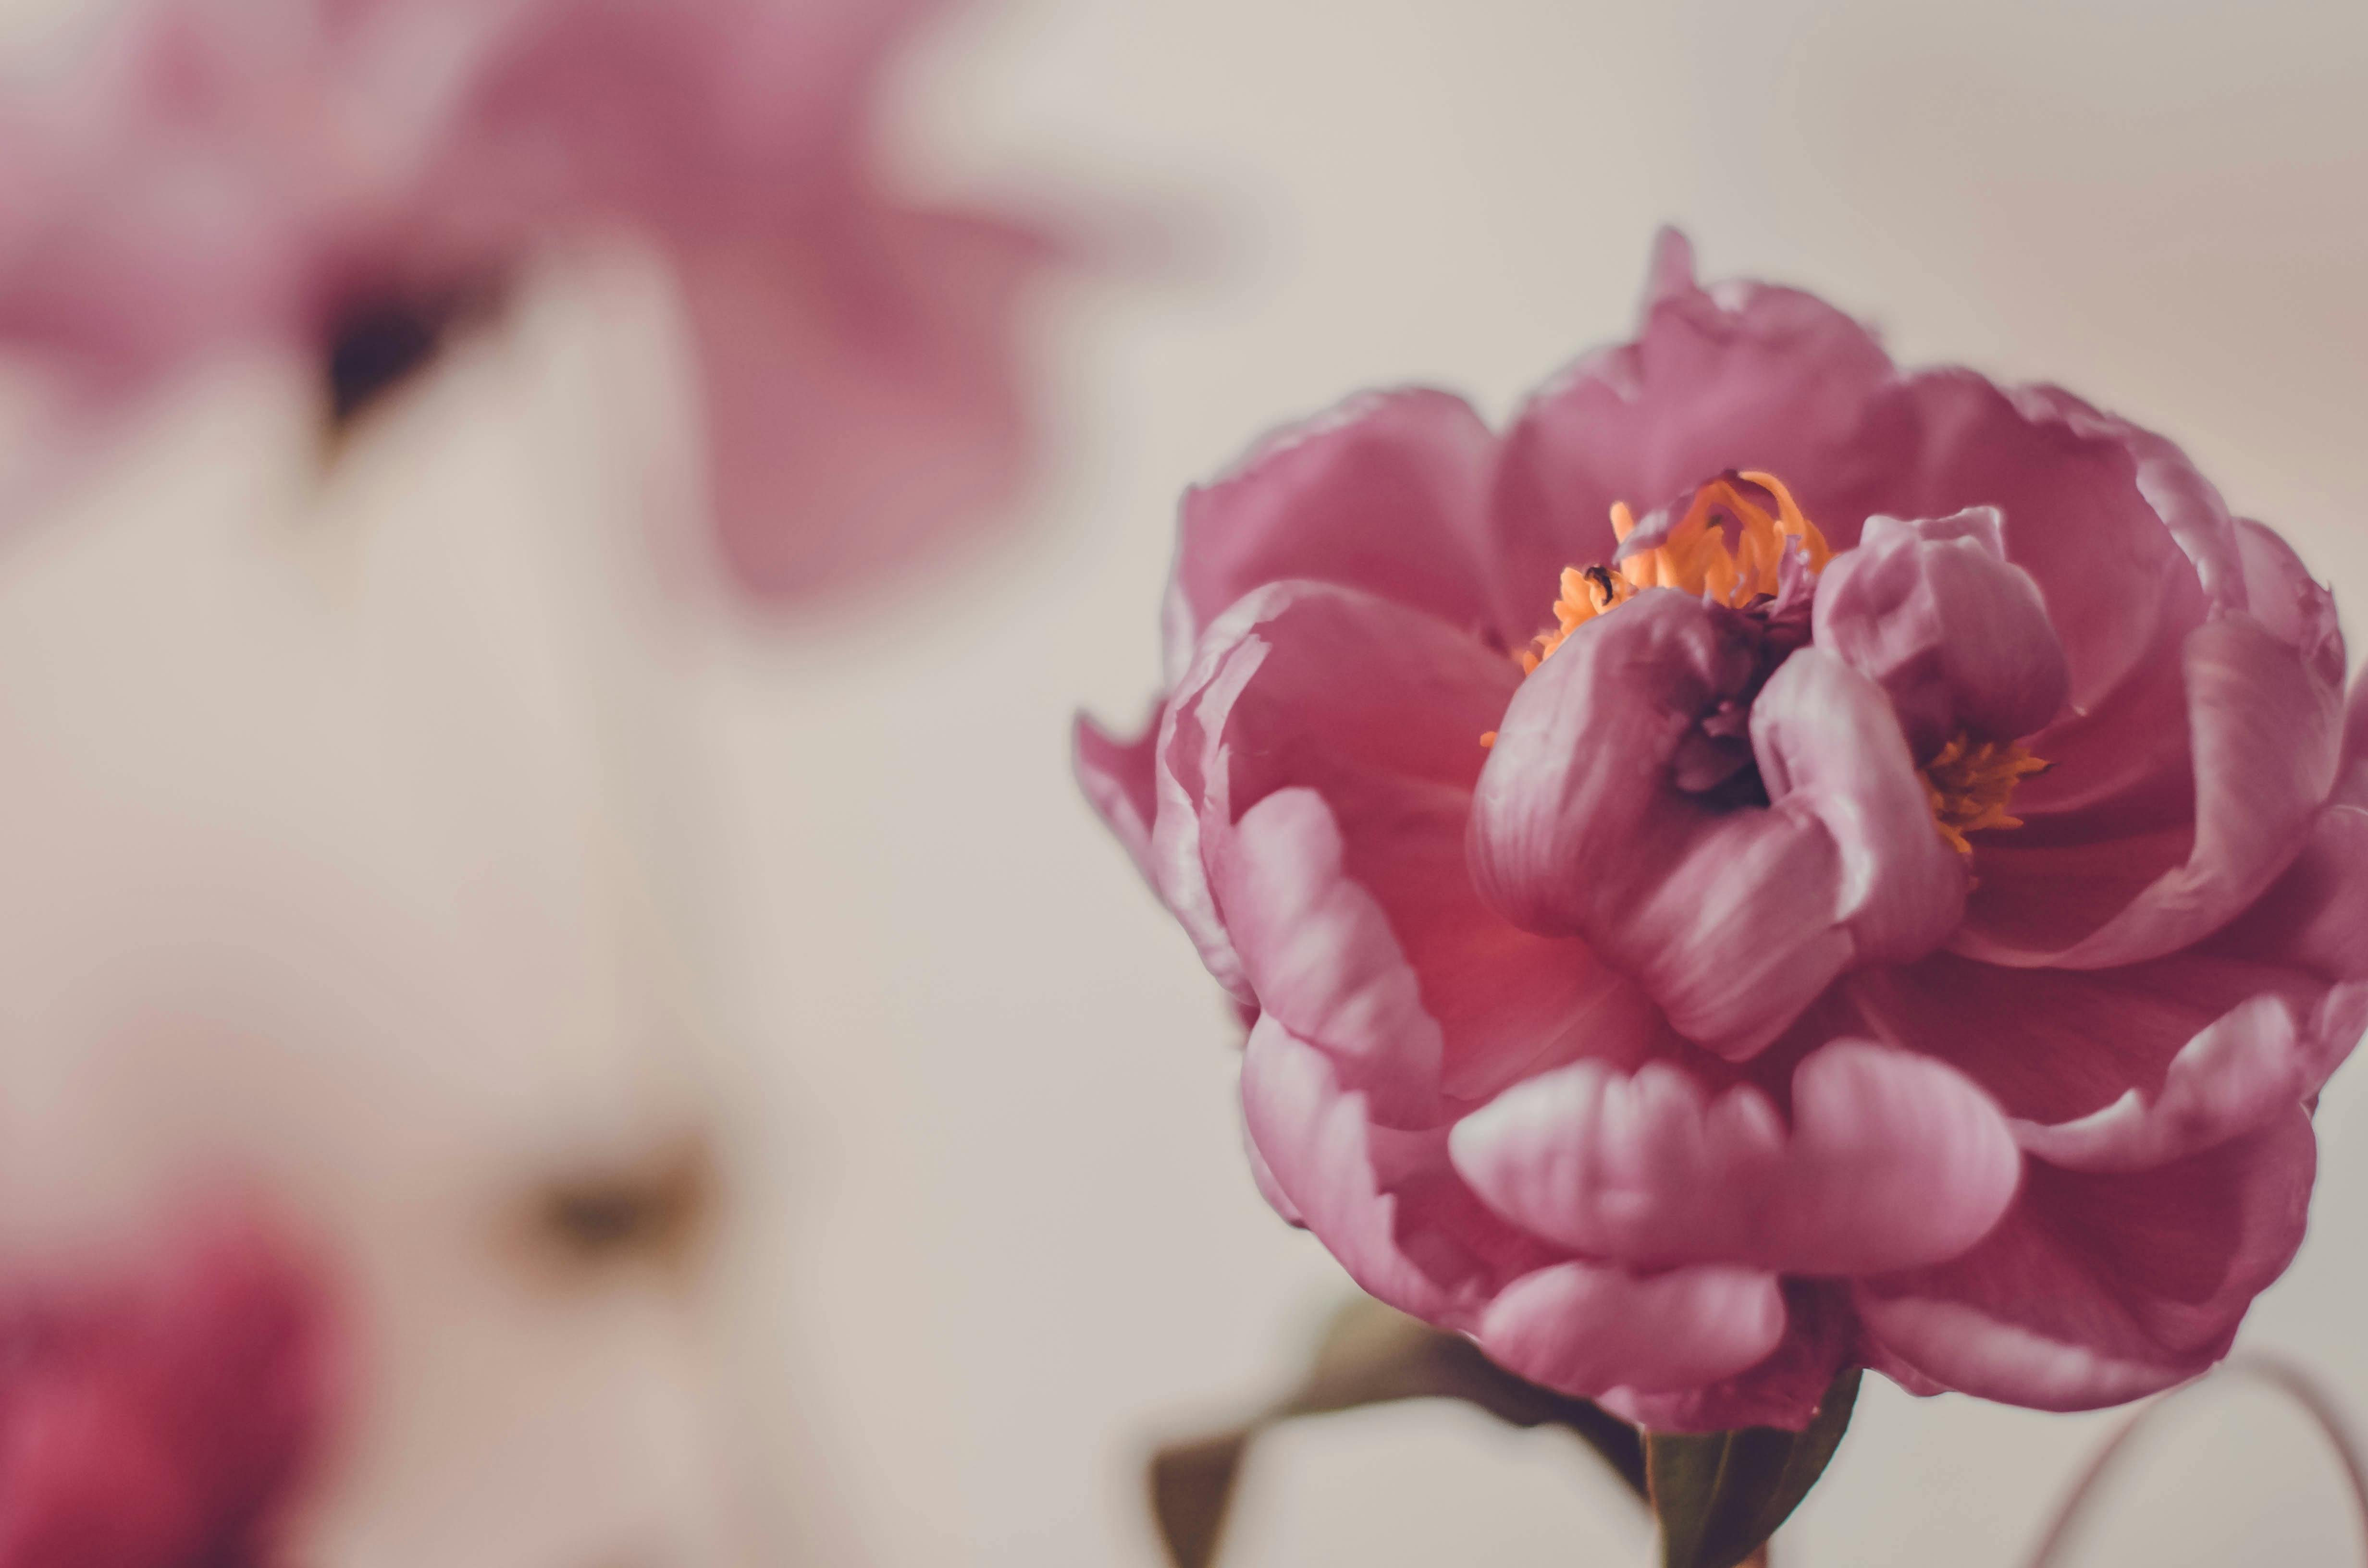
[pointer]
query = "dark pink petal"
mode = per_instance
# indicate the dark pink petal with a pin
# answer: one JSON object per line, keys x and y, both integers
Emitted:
{"x": 2264, "y": 1057}
{"x": 2058, "y": 1045}
{"x": 2315, "y": 915}
{"x": 2098, "y": 1289}
{"x": 1739, "y": 376}
{"x": 1384, "y": 492}
{"x": 1956, "y": 636}
{"x": 2264, "y": 718}
{"x": 1890, "y": 1161}
{"x": 2352, "y": 787}
{"x": 1386, "y": 1204}
{"x": 1588, "y": 1328}
{"x": 1120, "y": 780}
{"x": 1734, "y": 921}
{"x": 2120, "y": 590}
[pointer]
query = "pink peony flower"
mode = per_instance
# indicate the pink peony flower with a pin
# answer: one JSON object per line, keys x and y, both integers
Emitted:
{"x": 1882, "y": 905}
{"x": 161, "y": 1421}
{"x": 353, "y": 175}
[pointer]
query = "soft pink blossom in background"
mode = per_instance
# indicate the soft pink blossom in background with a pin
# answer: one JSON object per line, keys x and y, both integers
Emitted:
{"x": 354, "y": 177}
{"x": 1687, "y": 1104}
{"x": 158, "y": 1411}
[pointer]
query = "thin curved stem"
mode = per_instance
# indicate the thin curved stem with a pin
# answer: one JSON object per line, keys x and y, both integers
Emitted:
{"x": 2276, "y": 1373}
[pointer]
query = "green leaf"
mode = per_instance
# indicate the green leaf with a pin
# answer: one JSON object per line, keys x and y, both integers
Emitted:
{"x": 1721, "y": 1495}
{"x": 1369, "y": 1355}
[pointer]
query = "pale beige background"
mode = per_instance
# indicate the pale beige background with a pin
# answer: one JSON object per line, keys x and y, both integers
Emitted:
{"x": 994, "y": 1236}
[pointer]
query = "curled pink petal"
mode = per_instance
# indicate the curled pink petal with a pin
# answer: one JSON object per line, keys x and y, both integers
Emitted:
{"x": 1121, "y": 781}
{"x": 1890, "y": 1161}
{"x": 1733, "y": 921}
{"x": 1956, "y": 636}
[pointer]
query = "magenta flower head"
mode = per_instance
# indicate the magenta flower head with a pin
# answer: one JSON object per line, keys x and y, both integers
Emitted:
{"x": 1776, "y": 863}
{"x": 353, "y": 177}
{"x": 166, "y": 1418}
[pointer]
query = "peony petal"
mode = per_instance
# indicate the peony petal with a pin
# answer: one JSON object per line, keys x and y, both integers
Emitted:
{"x": 1308, "y": 683}
{"x": 1120, "y": 779}
{"x": 1386, "y": 1204}
{"x": 2262, "y": 1057}
{"x": 1384, "y": 492}
{"x": 1892, "y": 1161}
{"x": 1956, "y": 636}
{"x": 2056, "y": 1045}
{"x": 1742, "y": 376}
{"x": 1733, "y": 921}
{"x": 2315, "y": 915}
{"x": 2265, "y": 721}
{"x": 2098, "y": 1289}
{"x": 1585, "y": 1328}
{"x": 1783, "y": 1390}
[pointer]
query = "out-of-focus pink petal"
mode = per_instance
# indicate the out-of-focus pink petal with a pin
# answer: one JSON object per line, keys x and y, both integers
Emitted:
{"x": 1890, "y": 1160}
{"x": 1385, "y": 493}
{"x": 2098, "y": 1289}
{"x": 1120, "y": 780}
{"x": 1386, "y": 1204}
{"x": 1587, "y": 1328}
{"x": 1737, "y": 376}
{"x": 1932, "y": 612}
{"x": 862, "y": 397}
{"x": 166, "y": 1419}
{"x": 2266, "y": 725}
{"x": 1735, "y": 920}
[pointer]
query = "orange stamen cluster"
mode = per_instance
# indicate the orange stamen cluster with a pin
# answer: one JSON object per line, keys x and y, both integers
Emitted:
{"x": 1695, "y": 557}
{"x": 1969, "y": 784}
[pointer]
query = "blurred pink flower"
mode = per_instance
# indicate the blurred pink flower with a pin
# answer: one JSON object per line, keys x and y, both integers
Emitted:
{"x": 352, "y": 176}
{"x": 162, "y": 1420}
{"x": 1899, "y": 917}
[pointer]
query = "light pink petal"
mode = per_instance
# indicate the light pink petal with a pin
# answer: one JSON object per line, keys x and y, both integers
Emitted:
{"x": 1120, "y": 780}
{"x": 2265, "y": 722}
{"x": 1384, "y": 492}
{"x": 1734, "y": 921}
{"x": 1890, "y": 1161}
{"x": 1587, "y": 1328}
{"x": 1386, "y": 1204}
{"x": 1957, "y": 637}
{"x": 1783, "y": 1390}
{"x": 2098, "y": 1289}
{"x": 1740, "y": 376}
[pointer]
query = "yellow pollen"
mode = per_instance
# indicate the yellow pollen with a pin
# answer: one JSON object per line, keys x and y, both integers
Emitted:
{"x": 1969, "y": 784}
{"x": 1694, "y": 557}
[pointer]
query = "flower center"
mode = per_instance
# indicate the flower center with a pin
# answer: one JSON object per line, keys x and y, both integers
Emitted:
{"x": 1969, "y": 781}
{"x": 1692, "y": 554}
